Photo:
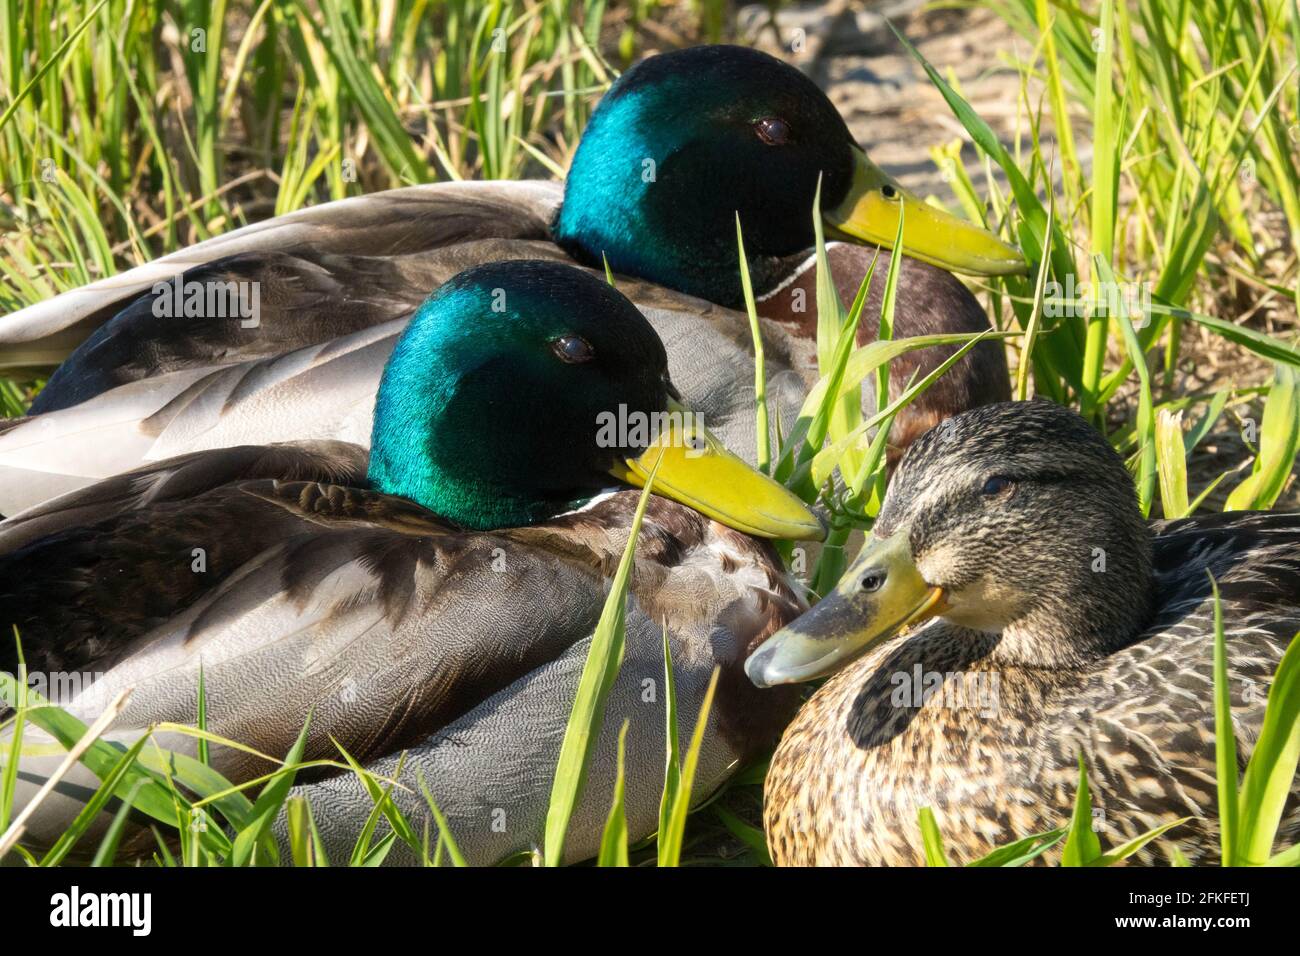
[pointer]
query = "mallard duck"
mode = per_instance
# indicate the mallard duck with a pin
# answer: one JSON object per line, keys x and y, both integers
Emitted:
{"x": 437, "y": 598}
{"x": 682, "y": 144}
{"x": 1066, "y": 626}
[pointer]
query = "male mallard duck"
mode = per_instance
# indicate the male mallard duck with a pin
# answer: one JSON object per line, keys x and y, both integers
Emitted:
{"x": 681, "y": 144}
{"x": 1067, "y": 626}
{"x": 438, "y": 600}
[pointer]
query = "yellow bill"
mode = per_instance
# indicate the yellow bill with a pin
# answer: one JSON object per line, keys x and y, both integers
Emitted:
{"x": 880, "y": 594}
{"x": 697, "y": 470}
{"x": 870, "y": 214}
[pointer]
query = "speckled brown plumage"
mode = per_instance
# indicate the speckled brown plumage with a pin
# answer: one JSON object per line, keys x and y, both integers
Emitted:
{"x": 993, "y": 748}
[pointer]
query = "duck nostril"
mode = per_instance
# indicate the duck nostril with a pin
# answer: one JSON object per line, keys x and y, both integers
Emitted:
{"x": 873, "y": 580}
{"x": 888, "y": 191}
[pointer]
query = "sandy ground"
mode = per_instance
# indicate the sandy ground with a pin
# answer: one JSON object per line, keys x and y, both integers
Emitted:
{"x": 883, "y": 93}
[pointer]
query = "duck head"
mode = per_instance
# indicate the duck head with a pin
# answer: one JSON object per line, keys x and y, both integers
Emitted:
{"x": 685, "y": 141}
{"x": 521, "y": 390}
{"x": 1017, "y": 520}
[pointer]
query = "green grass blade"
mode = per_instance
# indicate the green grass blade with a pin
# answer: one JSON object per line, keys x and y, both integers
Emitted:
{"x": 1105, "y": 176}
{"x": 670, "y": 841}
{"x": 376, "y": 855}
{"x": 588, "y": 713}
{"x": 1263, "y": 345}
{"x": 613, "y": 842}
{"x": 49, "y": 64}
{"x": 1082, "y": 845}
{"x": 826, "y": 460}
{"x": 748, "y": 834}
{"x": 672, "y": 746}
{"x": 202, "y": 720}
{"x": 375, "y": 104}
{"x": 1270, "y": 775}
{"x": 106, "y": 852}
{"x": 1036, "y": 313}
{"x": 306, "y": 848}
{"x": 381, "y": 797}
{"x": 1146, "y": 420}
{"x": 806, "y": 437}
{"x": 267, "y": 806}
{"x": 1031, "y": 209}
{"x": 1021, "y": 851}
{"x": 852, "y": 460}
{"x": 68, "y": 839}
{"x": 1279, "y": 442}
{"x": 1126, "y": 850}
{"x": 932, "y": 839}
{"x": 155, "y": 798}
{"x": 1225, "y": 741}
{"x": 1289, "y": 857}
{"x": 760, "y": 372}
{"x": 445, "y": 838}
{"x": 16, "y": 698}
{"x": 1171, "y": 463}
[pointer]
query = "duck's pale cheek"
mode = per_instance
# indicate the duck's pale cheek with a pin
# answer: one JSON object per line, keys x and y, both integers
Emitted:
{"x": 983, "y": 606}
{"x": 987, "y": 602}
{"x": 943, "y": 565}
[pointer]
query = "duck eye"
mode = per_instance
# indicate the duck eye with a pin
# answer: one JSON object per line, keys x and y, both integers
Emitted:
{"x": 888, "y": 191}
{"x": 773, "y": 131}
{"x": 872, "y": 580}
{"x": 997, "y": 485}
{"x": 573, "y": 349}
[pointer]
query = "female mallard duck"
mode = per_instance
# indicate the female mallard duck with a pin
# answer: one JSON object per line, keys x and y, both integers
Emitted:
{"x": 682, "y": 144}
{"x": 438, "y": 600}
{"x": 1067, "y": 626}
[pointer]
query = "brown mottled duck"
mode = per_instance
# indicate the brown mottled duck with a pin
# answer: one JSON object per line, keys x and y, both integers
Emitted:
{"x": 1066, "y": 625}
{"x": 681, "y": 145}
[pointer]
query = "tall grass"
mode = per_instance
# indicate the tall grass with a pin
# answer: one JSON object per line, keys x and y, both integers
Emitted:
{"x": 130, "y": 128}
{"x": 1189, "y": 112}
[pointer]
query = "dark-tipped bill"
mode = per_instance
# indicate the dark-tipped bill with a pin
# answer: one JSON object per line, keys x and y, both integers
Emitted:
{"x": 881, "y": 593}
{"x": 870, "y": 214}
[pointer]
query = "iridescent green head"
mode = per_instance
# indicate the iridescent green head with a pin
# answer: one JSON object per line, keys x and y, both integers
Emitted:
{"x": 497, "y": 407}
{"x": 680, "y": 144}
{"x": 685, "y": 141}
